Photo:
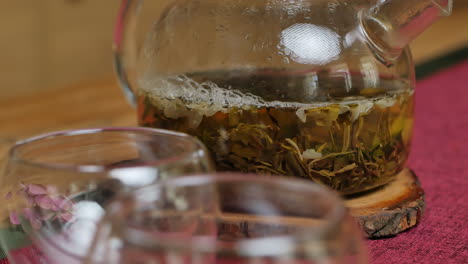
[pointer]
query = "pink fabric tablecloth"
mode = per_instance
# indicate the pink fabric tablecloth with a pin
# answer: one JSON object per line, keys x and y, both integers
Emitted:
{"x": 440, "y": 158}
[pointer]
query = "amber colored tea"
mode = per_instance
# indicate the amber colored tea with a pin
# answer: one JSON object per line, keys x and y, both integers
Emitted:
{"x": 352, "y": 144}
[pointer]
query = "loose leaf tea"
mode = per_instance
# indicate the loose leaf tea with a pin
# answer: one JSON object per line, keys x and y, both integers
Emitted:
{"x": 351, "y": 145}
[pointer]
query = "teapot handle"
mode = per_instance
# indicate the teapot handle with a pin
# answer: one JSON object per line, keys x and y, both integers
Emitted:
{"x": 390, "y": 25}
{"x": 119, "y": 49}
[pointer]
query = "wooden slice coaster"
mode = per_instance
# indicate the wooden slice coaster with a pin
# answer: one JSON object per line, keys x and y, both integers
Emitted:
{"x": 383, "y": 212}
{"x": 391, "y": 209}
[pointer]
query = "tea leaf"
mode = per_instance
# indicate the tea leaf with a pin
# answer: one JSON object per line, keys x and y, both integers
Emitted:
{"x": 346, "y": 137}
{"x": 350, "y": 147}
{"x": 346, "y": 168}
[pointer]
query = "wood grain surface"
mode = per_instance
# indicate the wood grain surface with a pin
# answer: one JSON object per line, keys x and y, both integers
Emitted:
{"x": 391, "y": 209}
{"x": 84, "y": 105}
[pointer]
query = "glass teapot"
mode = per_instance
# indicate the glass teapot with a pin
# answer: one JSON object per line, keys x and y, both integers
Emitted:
{"x": 317, "y": 89}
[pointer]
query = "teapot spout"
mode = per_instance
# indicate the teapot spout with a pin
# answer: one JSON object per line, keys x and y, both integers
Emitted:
{"x": 390, "y": 25}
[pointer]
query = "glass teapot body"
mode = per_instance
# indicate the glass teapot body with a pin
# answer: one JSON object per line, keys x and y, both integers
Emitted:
{"x": 286, "y": 87}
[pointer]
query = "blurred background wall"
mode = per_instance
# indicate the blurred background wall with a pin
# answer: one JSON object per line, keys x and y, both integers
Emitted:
{"x": 51, "y": 43}
{"x": 48, "y": 44}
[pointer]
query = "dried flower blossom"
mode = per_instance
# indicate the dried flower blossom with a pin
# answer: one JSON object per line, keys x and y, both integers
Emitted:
{"x": 44, "y": 203}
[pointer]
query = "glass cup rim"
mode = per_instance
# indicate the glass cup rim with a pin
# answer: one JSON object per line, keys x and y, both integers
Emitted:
{"x": 194, "y": 145}
{"x": 333, "y": 218}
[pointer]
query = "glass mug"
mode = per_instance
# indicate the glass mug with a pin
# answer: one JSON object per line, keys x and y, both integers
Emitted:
{"x": 56, "y": 186}
{"x": 317, "y": 89}
{"x": 228, "y": 219}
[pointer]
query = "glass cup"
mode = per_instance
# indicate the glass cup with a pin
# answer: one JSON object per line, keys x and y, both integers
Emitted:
{"x": 228, "y": 218}
{"x": 57, "y": 185}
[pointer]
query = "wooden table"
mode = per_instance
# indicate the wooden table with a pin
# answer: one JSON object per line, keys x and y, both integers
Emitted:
{"x": 93, "y": 104}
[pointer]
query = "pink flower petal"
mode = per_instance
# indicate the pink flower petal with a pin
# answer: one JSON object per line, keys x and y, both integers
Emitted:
{"x": 54, "y": 207}
{"x": 8, "y": 196}
{"x": 14, "y": 219}
{"x": 63, "y": 203}
{"x": 28, "y": 213}
{"x": 36, "y": 189}
{"x": 66, "y": 216}
{"x": 48, "y": 216}
{"x": 44, "y": 202}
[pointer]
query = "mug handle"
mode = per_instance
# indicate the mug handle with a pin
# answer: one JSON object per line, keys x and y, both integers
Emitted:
{"x": 121, "y": 29}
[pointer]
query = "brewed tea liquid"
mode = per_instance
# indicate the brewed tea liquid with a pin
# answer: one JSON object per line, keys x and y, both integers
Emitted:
{"x": 285, "y": 125}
